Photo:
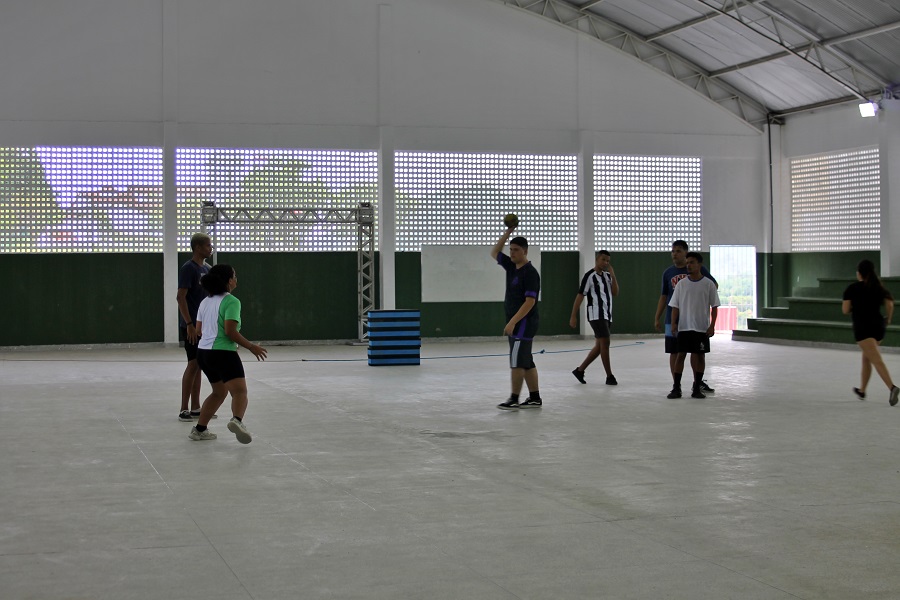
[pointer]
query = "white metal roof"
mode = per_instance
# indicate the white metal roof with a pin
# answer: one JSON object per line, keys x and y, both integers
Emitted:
{"x": 761, "y": 59}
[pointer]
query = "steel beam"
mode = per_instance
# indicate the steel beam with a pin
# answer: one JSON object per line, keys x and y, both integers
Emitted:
{"x": 363, "y": 216}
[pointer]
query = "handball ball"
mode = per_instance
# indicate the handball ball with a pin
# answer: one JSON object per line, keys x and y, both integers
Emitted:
{"x": 511, "y": 220}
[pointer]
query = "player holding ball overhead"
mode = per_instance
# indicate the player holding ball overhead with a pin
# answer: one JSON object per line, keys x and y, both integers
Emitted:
{"x": 523, "y": 284}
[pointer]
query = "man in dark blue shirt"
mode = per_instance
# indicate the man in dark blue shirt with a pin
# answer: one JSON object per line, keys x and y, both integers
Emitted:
{"x": 523, "y": 284}
{"x": 670, "y": 278}
{"x": 190, "y": 295}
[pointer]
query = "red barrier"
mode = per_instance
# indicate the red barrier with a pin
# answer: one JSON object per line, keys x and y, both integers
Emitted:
{"x": 727, "y": 319}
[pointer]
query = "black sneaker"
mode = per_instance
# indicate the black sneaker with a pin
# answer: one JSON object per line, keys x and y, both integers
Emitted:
{"x": 696, "y": 393}
{"x": 675, "y": 393}
{"x": 509, "y": 405}
{"x": 531, "y": 403}
{"x": 611, "y": 380}
{"x": 706, "y": 388}
{"x": 185, "y": 416}
{"x": 859, "y": 394}
{"x": 895, "y": 394}
{"x": 579, "y": 375}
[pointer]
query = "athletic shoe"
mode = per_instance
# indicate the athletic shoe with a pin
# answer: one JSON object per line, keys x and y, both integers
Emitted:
{"x": 895, "y": 394}
{"x": 675, "y": 393}
{"x": 509, "y": 405}
{"x": 195, "y": 414}
{"x": 531, "y": 403}
{"x": 696, "y": 393}
{"x": 185, "y": 416}
{"x": 239, "y": 430}
{"x": 611, "y": 380}
{"x": 579, "y": 375}
{"x": 197, "y": 436}
{"x": 861, "y": 395}
{"x": 706, "y": 388}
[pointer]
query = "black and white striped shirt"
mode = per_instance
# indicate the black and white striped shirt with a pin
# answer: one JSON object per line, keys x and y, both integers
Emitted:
{"x": 597, "y": 290}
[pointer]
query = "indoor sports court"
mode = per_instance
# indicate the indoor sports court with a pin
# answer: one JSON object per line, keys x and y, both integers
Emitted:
{"x": 406, "y": 207}
{"x": 406, "y": 482}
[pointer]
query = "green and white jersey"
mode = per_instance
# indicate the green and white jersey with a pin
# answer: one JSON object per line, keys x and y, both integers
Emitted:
{"x": 218, "y": 309}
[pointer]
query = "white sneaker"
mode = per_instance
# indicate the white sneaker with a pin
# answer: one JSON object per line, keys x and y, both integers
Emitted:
{"x": 239, "y": 430}
{"x": 197, "y": 436}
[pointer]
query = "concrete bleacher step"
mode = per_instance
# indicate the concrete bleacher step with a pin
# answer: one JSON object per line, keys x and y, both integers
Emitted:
{"x": 806, "y": 308}
{"x": 830, "y": 332}
{"x": 813, "y": 314}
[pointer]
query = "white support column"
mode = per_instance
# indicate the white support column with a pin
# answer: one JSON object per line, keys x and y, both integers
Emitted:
{"x": 387, "y": 203}
{"x": 585, "y": 167}
{"x": 777, "y": 230}
{"x": 170, "y": 236}
{"x": 889, "y": 158}
{"x": 585, "y": 227}
{"x": 387, "y": 218}
{"x": 170, "y": 142}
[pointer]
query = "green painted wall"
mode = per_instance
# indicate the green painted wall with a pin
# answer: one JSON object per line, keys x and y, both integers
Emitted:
{"x": 638, "y": 274}
{"x": 780, "y": 274}
{"x": 117, "y": 298}
{"x": 81, "y": 299}
{"x": 462, "y": 319}
{"x": 295, "y": 295}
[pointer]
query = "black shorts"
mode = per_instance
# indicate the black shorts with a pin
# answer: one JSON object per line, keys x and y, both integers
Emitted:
{"x": 694, "y": 342}
{"x": 520, "y": 354}
{"x": 601, "y": 328}
{"x": 869, "y": 330}
{"x": 220, "y": 365}
{"x": 189, "y": 348}
{"x": 672, "y": 345}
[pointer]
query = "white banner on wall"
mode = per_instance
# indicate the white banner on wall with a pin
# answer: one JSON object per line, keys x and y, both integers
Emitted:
{"x": 465, "y": 273}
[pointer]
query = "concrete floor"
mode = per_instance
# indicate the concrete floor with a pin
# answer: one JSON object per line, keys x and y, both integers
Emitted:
{"x": 406, "y": 482}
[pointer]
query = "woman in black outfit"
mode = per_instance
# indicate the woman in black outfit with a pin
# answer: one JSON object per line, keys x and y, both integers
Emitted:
{"x": 863, "y": 301}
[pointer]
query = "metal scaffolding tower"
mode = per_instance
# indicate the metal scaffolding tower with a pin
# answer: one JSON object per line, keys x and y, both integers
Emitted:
{"x": 363, "y": 215}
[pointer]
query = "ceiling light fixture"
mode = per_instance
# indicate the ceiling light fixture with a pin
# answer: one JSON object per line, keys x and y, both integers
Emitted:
{"x": 868, "y": 109}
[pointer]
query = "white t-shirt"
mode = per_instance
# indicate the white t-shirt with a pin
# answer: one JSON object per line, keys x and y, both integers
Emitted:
{"x": 211, "y": 315}
{"x": 693, "y": 300}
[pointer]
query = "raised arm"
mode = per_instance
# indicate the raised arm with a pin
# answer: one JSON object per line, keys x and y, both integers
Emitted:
{"x": 615, "y": 282}
{"x": 498, "y": 247}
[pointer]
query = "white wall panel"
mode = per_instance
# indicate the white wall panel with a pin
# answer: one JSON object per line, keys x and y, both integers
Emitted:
{"x": 277, "y": 61}
{"x": 81, "y": 60}
{"x": 828, "y": 130}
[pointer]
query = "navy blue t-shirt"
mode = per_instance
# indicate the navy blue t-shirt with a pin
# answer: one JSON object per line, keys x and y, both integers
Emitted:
{"x": 521, "y": 283}
{"x": 189, "y": 279}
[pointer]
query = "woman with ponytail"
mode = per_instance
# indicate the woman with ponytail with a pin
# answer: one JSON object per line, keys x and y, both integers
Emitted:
{"x": 219, "y": 324}
{"x": 863, "y": 301}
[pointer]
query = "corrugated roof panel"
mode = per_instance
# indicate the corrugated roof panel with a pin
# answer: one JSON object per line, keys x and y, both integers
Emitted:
{"x": 645, "y": 18}
{"x": 833, "y": 18}
{"x": 879, "y": 53}
{"x": 784, "y": 84}
{"x": 720, "y": 43}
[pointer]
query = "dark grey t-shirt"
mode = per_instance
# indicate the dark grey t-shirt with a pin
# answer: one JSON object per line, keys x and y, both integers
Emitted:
{"x": 189, "y": 278}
